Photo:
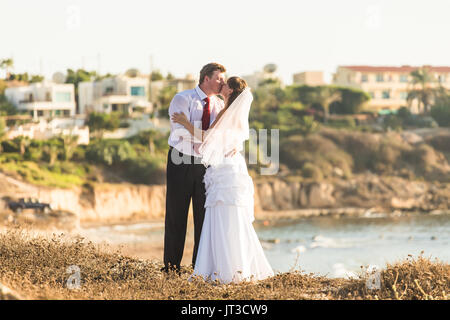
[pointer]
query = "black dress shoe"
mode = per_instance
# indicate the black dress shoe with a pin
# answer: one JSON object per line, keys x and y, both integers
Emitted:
{"x": 171, "y": 269}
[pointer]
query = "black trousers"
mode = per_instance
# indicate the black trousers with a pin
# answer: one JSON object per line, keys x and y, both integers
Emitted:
{"x": 184, "y": 182}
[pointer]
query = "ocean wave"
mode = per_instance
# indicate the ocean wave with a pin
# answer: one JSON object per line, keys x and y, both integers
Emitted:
{"x": 340, "y": 271}
{"x": 298, "y": 249}
{"x": 320, "y": 241}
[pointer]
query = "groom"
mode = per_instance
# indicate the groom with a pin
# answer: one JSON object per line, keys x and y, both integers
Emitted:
{"x": 184, "y": 169}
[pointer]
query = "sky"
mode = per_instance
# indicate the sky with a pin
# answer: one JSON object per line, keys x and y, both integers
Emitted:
{"x": 47, "y": 36}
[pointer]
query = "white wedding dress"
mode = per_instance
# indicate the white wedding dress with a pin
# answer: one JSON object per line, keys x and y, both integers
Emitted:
{"x": 229, "y": 248}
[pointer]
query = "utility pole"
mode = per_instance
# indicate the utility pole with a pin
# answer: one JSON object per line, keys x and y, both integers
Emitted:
{"x": 98, "y": 64}
{"x": 41, "y": 69}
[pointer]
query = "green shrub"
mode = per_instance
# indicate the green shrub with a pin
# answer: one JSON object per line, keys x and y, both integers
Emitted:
{"x": 10, "y": 157}
{"x": 422, "y": 156}
{"x": 440, "y": 142}
{"x": 297, "y": 151}
{"x": 362, "y": 147}
{"x": 307, "y": 125}
{"x": 311, "y": 171}
{"x": 325, "y": 167}
{"x": 387, "y": 157}
{"x": 79, "y": 154}
{"x": 33, "y": 154}
{"x": 393, "y": 122}
{"x": 10, "y": 146}
{"x": 109, "y": 152}
{"x": 441, "y": 111}
{"x": 347, "y": 122}
{"x": 342, "y": 160}
{"x": 146, "y": 170}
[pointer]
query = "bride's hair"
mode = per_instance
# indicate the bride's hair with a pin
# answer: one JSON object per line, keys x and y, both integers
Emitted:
{"x": 237, "y": 85}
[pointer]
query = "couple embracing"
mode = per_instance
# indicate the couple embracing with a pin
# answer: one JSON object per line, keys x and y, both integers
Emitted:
{"x": 205, "y": 164}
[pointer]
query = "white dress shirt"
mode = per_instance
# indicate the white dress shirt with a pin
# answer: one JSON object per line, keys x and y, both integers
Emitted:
{"x": 191, "y": 103}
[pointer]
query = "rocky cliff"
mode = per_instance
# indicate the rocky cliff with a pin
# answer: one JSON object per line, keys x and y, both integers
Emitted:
{"x": 364, "y": 191}
{"x": 118, "y": 202}
{"x": 95, "y": 202}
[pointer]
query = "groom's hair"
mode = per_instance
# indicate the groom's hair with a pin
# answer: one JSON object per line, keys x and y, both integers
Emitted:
{"x": 209, "y": 69}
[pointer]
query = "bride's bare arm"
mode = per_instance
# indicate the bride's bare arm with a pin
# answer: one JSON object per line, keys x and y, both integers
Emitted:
{"x": 195, "y": 132}
{"x": 217, "y": 118}
{"x": 184, "y": 121}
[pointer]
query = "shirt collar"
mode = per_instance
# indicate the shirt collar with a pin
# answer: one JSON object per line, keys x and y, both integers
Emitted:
{"x": 200, "y": 93}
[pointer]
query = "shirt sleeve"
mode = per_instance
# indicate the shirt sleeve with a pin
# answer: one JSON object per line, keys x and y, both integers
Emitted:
{"x": 179, "y": 104}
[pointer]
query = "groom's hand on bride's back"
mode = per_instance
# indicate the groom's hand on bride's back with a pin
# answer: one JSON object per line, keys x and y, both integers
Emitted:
{"x": 231, "y": 153}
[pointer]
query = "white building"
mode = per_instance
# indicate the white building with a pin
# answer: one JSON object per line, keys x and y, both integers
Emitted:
{"x": 119, "y": 93}
{"x": 309, "y": 78}
{"x": 180, "y": 84}
{"x": 389, "y": 86}
{"x": 268, "y": 73}
{"x": 44, "y": 99}
{"x": 44, "y": 129}
{"x": 137, "y": 125}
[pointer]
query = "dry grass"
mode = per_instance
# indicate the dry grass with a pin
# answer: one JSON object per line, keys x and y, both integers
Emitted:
{"x": 36, "y": 267}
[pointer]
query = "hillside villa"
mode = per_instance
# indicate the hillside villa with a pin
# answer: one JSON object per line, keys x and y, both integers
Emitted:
{"x": 119, "y": 93}
{"x": 44, "y": 99}
{"x": 387, "y": 86}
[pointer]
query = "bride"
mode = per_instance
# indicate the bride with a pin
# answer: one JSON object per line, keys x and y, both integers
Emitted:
{"x": 229, "y": 248}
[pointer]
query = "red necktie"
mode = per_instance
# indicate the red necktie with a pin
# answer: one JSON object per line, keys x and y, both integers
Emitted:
{"x": 206, "y": 114}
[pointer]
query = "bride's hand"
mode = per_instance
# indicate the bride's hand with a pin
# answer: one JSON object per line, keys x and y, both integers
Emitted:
{"x": 231, "y": 153}
{"x": 180, "y": 118}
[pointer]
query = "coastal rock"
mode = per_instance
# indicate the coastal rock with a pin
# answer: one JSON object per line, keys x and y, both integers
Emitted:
{"x": 303, "y": 197}
{"x": 126, "y": 201}
{"x": 295, "y": 190}
{"x": 399, "y": 203}
{"x": 103, "y": 202}
{"x": 411, "y": 137}
{"x": 96, "y": 202}
{"x": 283, "y": 195}
{"x": 321, "y": 195}
{"x": 363, "y": 191}
{"x": 266, "y": 194}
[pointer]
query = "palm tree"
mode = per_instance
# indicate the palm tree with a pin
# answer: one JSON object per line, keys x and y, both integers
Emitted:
{"x": 422, "y": 90}
{"x": 7, "y": 64}
{"x": 152, "y": 135}
{"x": 70, "y": 143}
{"x": 52, "y": 151}
{"x": 308, "y": 125}
{"x": 2, "y": 133}
{"x": 326, "y": 95}
{"x": 164, "y": 97}
{"x": 24, "y": 142}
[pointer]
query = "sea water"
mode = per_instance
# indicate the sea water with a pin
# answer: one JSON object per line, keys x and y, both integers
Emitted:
{"x": 339, "y": 247}
{"x": 328, "y": 246}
